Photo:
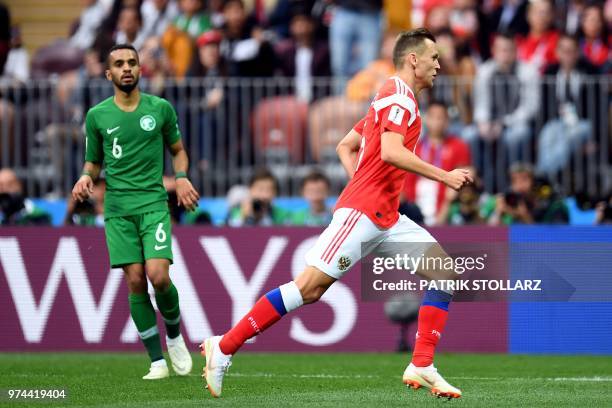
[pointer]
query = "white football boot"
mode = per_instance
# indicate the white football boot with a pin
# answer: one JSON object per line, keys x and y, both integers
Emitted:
{"x": 179, "y": 355}
{"x": 158, "y": 370}
{"x": 216, "y": 366}
{"x": 417, "y": 377}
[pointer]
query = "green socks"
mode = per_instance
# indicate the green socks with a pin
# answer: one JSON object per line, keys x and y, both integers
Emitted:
{"x": 168, "y": 305}
{"x": 143, "y": 315}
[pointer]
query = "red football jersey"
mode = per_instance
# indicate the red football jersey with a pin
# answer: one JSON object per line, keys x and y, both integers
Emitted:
{"x": 376, "y": 186}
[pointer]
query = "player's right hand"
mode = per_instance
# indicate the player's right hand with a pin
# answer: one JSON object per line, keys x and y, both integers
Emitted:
{"x": 83, "y": 188}
{"x": 458, "y": 178}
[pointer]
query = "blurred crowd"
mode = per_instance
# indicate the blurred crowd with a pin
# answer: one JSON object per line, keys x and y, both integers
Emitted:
{"x": 521, "y": 100}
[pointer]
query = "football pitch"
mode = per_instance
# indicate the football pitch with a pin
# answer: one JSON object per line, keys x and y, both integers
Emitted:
{"x": 320, "y": 380}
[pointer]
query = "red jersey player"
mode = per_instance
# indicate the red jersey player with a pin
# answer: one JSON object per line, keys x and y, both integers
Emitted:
{"x": 376, "y": 154}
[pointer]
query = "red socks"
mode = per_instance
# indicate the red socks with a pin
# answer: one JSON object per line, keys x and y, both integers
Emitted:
{"x": 260, "y": 317}
{"x": 432, "y": 320}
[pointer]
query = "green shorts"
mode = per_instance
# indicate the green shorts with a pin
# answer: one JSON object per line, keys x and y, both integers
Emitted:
{"x": 136, "y": 238}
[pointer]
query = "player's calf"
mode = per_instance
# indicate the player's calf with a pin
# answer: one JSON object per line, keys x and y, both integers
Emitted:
{"x": 269, "y": 309}
{"x": 312, "y": 284}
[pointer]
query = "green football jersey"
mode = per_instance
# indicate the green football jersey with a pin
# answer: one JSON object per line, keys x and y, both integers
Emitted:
{"x": 131, "y": 145}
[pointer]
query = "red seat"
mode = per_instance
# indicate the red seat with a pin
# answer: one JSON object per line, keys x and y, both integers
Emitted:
{"x": 279, "y": 127}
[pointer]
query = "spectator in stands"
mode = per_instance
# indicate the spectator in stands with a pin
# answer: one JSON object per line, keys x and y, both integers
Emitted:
{"x": 157, "y": 15}
{"x": 595, "y": 36}
{"x": 470, "y": 30}
{"x": 603, "y": 212}
{"x": 5, "y": 34}
{"x": 106, "y": 34}
{"x": 15, "y": 207}
{"x": 356, "y": 27}
{"x": 193, "y": 19}
{"x": 155, "y": 65}
{"x": 538, "y": 47}
{"x": 129, "y": 28}
{"x": 568, "y": 127}
{"x": 215, "y": 10}
{"x": 258, "y": 208}
{"x": 315, "y": 190}
{"x": 86, "y": 28}
{"x": 245, "y": 48}
{"x": 109, "y": 25}
{"x": 363, "y": 86}
{"x": 261, "y": 11}
{"x": 7, "y": 110}
{"x": 303, "y": 56}
{"x": 73, "y": 88}
{"x": 506, "y": 97}
{"x": 398, "y": 14}
{"x": 279, "y": 17}
{"x": 17, "y": 67}
{"x": 508, "y": 16}
{"x": 442, "y": 150}
{"x": 569, "y": 14}
{"x": 209, "y": 62}
{"x": 210, "y": 65}
{"x": 90, "y": 212}
{"x": 437, "y": 18}
{"x": 180, "y": 36}
{"x": 456, "y": 61}
{"x": 330, "y": 118}
{"x": 527, "y": 202}
{"x": 469, "y": 205}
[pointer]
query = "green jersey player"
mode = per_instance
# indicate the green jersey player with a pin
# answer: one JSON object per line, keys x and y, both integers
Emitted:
{"x": 128, "y": 133}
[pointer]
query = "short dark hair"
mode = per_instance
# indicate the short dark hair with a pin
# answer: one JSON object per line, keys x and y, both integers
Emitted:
{"x": 314, "y": 177}
{"x": 135, "y": 10}
{"x": 409, "y": 40}
{"x": 568, "y": 36}
{"x": 506, "y": 35}
{"x": 438, "y": 103}
{"x": 263, "y": 174}
{"x": 228, "y": 2}
{"x": 121, "y": 47}
{"x": 520, "y": 167}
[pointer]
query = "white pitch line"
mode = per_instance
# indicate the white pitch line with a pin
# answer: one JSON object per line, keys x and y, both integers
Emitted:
{"x": 358, "y": 376}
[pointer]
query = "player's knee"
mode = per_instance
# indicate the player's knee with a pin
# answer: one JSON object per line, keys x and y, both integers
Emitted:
{"x": 137, "y": 283}
{"x": 161, "y": 283}
{"x": 159, "y": 279}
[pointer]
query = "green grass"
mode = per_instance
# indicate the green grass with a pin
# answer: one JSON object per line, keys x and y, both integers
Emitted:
{"x": 319, "y": 380}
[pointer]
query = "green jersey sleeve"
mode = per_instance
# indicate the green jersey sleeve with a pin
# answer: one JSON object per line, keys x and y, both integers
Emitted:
{"x": 171, "y": 131}
{"x": 93, "y": 141}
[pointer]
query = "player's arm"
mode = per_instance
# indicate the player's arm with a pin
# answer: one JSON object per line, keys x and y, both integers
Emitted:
{"x": 348, "y": 148}
{"x": 93, "y": 159}
{"x": 393, "y": 151}
{"x": 186, "y": 194}
{"x": 84, "y": 186}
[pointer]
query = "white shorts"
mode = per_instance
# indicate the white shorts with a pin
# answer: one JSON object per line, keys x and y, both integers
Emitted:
{"x": 340, "y": 246}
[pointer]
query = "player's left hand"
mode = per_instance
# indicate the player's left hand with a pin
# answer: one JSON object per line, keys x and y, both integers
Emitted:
{"x": 187, "y": 195}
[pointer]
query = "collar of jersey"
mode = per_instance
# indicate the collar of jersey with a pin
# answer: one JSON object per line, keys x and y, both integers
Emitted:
{"x": 404, "y": 83}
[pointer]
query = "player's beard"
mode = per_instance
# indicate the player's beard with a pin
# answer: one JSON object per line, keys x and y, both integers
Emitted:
{"x": 127, "y": 88}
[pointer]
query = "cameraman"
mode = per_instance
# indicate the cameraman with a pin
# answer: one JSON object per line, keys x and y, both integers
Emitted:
{"x": 15, "y": 208}
{"x": 527, "y": 202}
{"x": 470, "y": 205}
{"x": 604, "y": 212}
{"x": 257, "y": 209}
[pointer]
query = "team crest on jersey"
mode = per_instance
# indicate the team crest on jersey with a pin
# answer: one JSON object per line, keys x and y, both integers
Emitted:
{"x": 147, "y": 123}
{"x": 344, "y": 262}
